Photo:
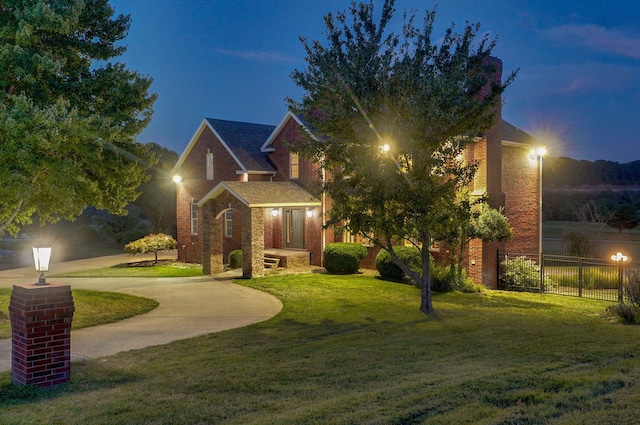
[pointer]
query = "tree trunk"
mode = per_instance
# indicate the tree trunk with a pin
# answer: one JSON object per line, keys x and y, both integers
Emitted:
{"x": 426, "y": 305}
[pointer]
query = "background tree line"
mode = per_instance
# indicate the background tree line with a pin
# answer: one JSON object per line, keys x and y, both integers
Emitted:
{"x": 610, "y": 187}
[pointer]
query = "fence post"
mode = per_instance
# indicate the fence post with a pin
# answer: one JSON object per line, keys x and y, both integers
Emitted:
{"x": 620, "y": 282}
{"x": 541, "y": 273}
{"x": 580, "y": 266}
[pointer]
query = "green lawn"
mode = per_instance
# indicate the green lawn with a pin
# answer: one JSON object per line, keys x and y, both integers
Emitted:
{"x": 92, "y": 308}
{"x": 172, "y": 269}
{"x": 356, "y": 350}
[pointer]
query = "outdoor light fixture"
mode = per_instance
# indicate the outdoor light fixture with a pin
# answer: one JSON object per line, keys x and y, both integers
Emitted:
{"x": 536, "y": 155}
{"x": 177, "y": 179}
{"x": 274, "y": 212}
{"x": 385, "y": 148}
{"x": 619, "y": 257}
{"x": 41, "y": 258}
{"x": 309, "y": 213}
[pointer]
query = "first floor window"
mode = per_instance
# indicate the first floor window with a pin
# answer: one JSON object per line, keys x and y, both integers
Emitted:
{"x": 194, "y": 218}
{"x": 228, "y": 223}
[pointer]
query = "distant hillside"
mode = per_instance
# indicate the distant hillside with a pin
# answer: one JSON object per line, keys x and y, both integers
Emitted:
{"x": 567, "y": 172}
{"x": 569, "y": 183}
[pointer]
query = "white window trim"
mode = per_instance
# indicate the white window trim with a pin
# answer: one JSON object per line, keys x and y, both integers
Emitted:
{"x": 293, "y": 155}
{"x": 228, "y": 223}
{"x": 193, "y": 218}
{"x": 209, "y": 166}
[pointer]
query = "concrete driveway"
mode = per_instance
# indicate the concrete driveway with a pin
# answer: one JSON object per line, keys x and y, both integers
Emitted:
{"x": 189, "y": 307}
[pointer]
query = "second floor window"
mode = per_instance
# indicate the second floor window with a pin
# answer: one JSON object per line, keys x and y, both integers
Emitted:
{"x": 209, "y": 166}
{"x": 294, "y": 166}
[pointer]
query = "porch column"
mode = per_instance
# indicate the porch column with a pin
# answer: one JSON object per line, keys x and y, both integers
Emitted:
{"x": 252, "y": 242}
{"x": 212, "y": 255}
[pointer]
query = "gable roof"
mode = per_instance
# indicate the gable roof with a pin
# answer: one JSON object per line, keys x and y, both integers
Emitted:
{"x": 267, "y": 146}
{"x": 242, "y": 140}
{"x": 264, "y": 194}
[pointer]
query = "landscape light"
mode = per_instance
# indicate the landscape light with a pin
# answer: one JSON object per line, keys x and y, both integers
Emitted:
{"x": 41, "y": 259}
{"x": 619, "y": 257}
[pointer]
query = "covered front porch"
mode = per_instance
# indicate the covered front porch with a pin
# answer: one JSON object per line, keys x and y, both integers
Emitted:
{"x": 259, "y": 203}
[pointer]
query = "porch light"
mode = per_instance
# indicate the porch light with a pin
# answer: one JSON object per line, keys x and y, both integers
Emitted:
{"x": 177, "y": 179}
{"x": 274, "y": 212}
{"x": 41, "y": 258}
{"x": 309, "y": 213}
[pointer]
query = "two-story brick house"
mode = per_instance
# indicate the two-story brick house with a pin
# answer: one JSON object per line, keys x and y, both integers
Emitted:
{"x": 243, "y": 188}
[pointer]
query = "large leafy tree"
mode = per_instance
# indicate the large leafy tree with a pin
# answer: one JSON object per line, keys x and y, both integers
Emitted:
{"x": 68, "y": 115}
{"x": 158, "y": 195}
{"x": 624, "y": 217}
{"x": 368, "y": 87}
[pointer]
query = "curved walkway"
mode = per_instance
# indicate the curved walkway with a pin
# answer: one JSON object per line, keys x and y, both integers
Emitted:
{"x": 188, "y": 307}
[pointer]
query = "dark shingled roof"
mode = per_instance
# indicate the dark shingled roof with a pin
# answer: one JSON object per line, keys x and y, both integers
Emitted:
{"x": 245, "y": 140}
{"x": 511, "y": 133}
{"x": 264, "y": 194}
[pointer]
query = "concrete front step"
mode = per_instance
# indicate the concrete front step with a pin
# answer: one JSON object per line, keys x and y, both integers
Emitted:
{"x": 271, "y": 262}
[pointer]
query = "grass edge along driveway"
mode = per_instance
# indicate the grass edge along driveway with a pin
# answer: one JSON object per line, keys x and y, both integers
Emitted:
{"x": 355, "y": 349}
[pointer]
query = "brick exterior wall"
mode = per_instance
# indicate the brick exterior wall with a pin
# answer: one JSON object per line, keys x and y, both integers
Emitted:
{"x": 308, "y": 178}
{"x": 522, "y": 194}
{"x": 41, "y": 334}
{"x": 504, "y": 173}
{"x": 194, "y": 186}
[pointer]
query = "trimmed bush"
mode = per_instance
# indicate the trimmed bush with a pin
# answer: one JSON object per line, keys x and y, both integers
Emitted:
{"x": 151, "y": 243}
{"x": 443, "y": 279}
{"x": 523, "y": 274}
{"x": 235, "y": 259}
{"x": 388, "y": 269}
{"x": 343, "y": 257}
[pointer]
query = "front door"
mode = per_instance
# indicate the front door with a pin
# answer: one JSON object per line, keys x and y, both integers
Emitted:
{"x": 294, "y": 228}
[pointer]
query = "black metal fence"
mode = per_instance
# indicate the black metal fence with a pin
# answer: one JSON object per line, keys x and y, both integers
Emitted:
{"x": 595, "y": 278}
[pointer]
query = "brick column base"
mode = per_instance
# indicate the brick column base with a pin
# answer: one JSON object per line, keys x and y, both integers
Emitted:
{"x": 41, "y": 318}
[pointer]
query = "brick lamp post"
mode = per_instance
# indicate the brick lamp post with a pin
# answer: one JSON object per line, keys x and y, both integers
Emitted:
{"x": 41, "y": 316}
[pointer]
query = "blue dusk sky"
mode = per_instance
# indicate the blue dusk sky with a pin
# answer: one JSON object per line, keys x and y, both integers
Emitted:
{"x": 577, "y": 91}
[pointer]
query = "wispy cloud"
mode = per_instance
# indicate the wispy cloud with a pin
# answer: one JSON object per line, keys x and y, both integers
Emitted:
{"x": 256, "y": 56}
{"x": 613, "y": 41}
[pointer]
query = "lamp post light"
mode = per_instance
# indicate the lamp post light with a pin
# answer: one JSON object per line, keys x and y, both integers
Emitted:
{"x": 619, "y": 258}
{"x": 537, "y": 155}
{"x": 41, "y": 259}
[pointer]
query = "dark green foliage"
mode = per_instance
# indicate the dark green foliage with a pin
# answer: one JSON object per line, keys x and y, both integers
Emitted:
{"x": 523, "y": 274}
{"x": 388, "y": 268}
{"x": 445, "y": 279}
{"x": 235, "y": 259}
{"x": 158, "y": 196}
{"x": 343, "y": 257}
{"x": 424, "y": 96}
{"x": 569, "y": 172}
{"x": 632, "y": 288}
{"x": 624, "y": 217}
{"x": 627, "y": 313}
{"x": 69, "y": 116}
